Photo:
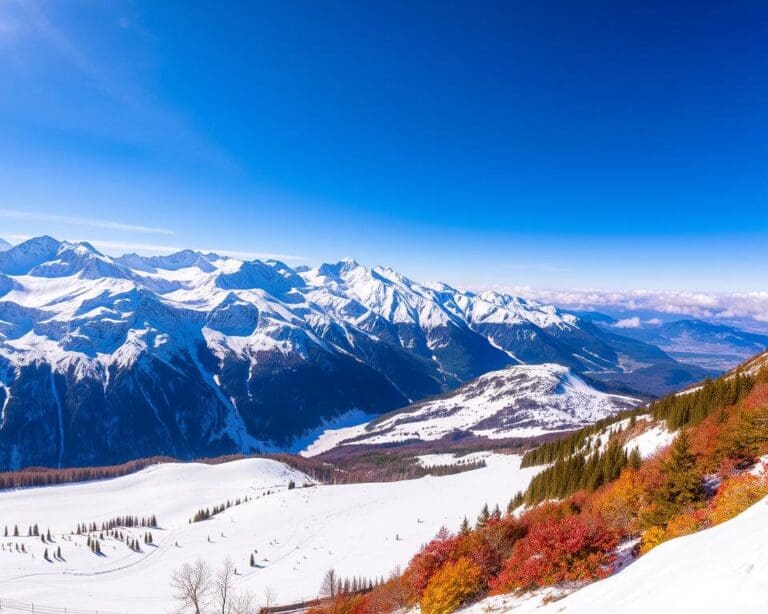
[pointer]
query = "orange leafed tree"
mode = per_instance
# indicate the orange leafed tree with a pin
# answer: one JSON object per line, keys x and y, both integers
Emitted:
{"x": 452, "y": 586}
{"x": 737, "y": 494}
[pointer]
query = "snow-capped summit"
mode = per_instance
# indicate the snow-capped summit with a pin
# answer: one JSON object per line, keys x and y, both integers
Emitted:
{"x": 103, "y": 359}
{"x": 173, "y": 262}
{"x": 20, "y": 258}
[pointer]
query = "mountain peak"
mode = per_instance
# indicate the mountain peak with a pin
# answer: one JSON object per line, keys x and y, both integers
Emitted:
{"x": 21, "y": 258}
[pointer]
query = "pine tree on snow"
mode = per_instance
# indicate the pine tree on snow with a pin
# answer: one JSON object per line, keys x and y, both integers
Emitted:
{"x": 464, "y": 530}
{"x": 482, "y": 519}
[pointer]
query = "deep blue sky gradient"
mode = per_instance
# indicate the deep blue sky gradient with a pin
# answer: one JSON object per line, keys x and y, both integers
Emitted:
{"x": 603, "y": 144}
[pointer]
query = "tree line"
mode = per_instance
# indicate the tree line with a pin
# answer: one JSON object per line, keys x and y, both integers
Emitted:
{"x": 567, "y": 445}
{"x": 690, "y": 408}
{"x": 579, "y": 472}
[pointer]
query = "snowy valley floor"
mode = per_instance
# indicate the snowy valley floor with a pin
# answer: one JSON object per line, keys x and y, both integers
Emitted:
{"x": 357, "y": 529}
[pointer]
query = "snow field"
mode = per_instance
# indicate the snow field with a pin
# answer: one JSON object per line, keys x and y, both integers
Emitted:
{"x": 295, "y": 535}
{"x": 650, "y": 441}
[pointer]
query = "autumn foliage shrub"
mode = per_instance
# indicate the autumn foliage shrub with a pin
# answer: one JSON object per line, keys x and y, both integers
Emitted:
{"x": 652, "y": 537}
{"x": 682, "y": 524}
{"x": 429, "y": 560}
{"x": 488, "y": 547}
{"x": 451, "y": 586}
{"x": 576, "y": 548}
{"x": 685, "y": 524}
{"x": 619, "y": 504}
{"x": 737, "y": 494}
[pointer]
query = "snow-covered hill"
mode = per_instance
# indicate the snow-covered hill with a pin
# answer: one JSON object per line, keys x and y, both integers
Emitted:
{"x": 296, "y": 535}
{"x": 520, "y": 401}
{"x": 722, "y": 569}
{"x": 4, "y": 245}
{"x": 105, "y": 359}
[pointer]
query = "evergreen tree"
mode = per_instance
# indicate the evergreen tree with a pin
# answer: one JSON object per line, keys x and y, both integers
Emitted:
{"x": 635, "y": 460}
{"x": 682, "y": 487}
{"x": 515, "y": 502}
{"x": 483, "y": 517}
{"x": 465, "y": 528}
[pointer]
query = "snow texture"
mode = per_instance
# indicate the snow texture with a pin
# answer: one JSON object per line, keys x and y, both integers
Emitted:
{"x": 521, "y": 401}
{"x": 297, "y": 535}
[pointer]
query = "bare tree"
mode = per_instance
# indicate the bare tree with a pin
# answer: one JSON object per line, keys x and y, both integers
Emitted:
{"x": 329, "y": 584}
{"x": 242, "y": 603}
{"x": 222, "y": 587}
{"x": 269, "y": 596}
{"x": 193, "y": 585}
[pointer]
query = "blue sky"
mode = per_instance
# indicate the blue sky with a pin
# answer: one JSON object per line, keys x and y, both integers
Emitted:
{"x": 551, "y": 144}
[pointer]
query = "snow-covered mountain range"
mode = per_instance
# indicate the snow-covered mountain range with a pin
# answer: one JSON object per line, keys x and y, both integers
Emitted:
{"x": 104, "y": 359}
{"x": 520, "y": 401}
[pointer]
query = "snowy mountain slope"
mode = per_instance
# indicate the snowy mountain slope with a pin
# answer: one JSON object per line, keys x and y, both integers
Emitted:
{"x": 520, "y": 401}
{"x": 106, "y": 359}
{"x": 756, "y": 364}
{"x": 722, "y": 569}
{"x": 357, "y": 529}
{"x": 4, "y": 245}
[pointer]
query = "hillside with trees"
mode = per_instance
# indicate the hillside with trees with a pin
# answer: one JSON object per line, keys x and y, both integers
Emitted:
{"x": 596, "y": 499}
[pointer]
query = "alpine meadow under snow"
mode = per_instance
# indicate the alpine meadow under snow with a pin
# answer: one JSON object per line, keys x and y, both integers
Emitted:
{"x": 294, "y": 534}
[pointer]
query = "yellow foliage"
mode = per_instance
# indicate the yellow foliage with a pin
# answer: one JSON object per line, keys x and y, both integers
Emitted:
{"x": 735, "y": 495}
{"x": 652, "y": 538}
{"x": 685, "y": 524}
{"x": 451, "y": 586}
{"x": 619, "y": 503}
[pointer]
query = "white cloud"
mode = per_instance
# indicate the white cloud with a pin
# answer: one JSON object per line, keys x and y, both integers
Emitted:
{"x": 81, "y": 221}
{"x": 628, "y": 323}
{"x": 710, "y": 305}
